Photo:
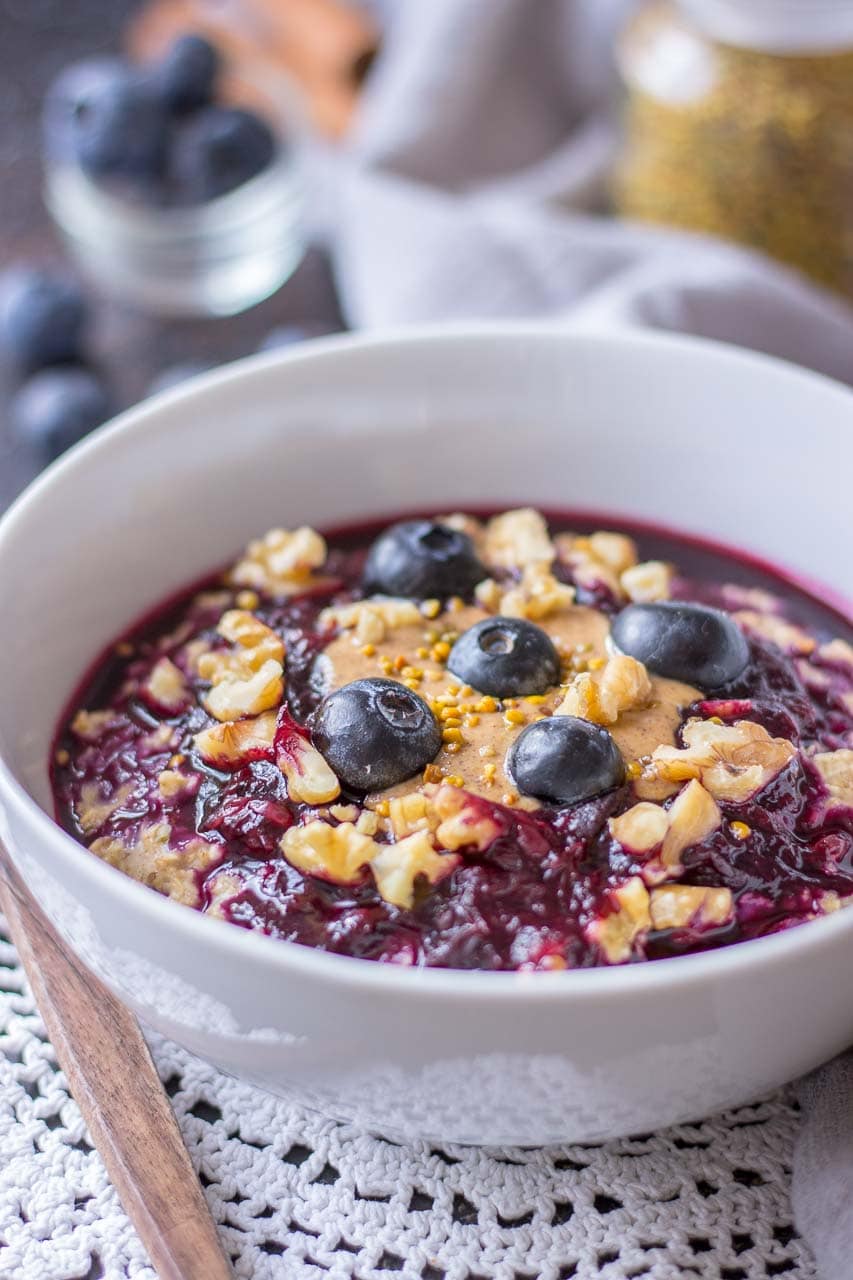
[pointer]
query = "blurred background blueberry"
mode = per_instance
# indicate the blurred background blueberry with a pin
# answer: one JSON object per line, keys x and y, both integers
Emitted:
{"x": 109, "y": 119}
{"x": 43, "y": 317}
{"x": 186, "y": 75}
{"x": 57, "y": 407}
{"x": 216, "y": 150}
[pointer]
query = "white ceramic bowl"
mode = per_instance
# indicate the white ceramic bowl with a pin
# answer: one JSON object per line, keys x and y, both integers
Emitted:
{"x": 698, "y": 436}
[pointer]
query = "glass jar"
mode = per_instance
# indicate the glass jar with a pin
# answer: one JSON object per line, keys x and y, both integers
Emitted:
{"x": 213, "y": 259}
{"x": 739, "y": 122}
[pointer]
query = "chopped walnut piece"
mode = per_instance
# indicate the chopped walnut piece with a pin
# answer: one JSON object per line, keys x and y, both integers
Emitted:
{"x": 171, "y": 783}
{"x": 336, "y": 853}
{"x": 646, "y": 582}
{"x": 693, "y": 815}
{"x": 89, "y": 725}
{"x": 282, "y": 562}
{"x": 233, "y": 697}
{"x": 538, "y": 595}
{"x": 367, "y": 823}
{"x": 257, "y": 641}
{"x": 517, "y": 539}
{"x": 162, "y": 738}
{"x": 219, "y": 888}
{"x": 675, "y": 905}
{"x": 93, "y": 809}
{"x": 310, "y": 780}
{"x": 641, "y": 828}
{"x": 395, "y": 867}
{"x": 839, "y": 651}
{"x": 152, "y": 860}
{"x": 786, "y": 635}
{"x": 616, "y": 550}
{"x": 371, "y": 620}
{"x": 462, "y": 822}
{"x": 836, "y": 769}
{"x": 732, "y": 761}
{"x": 410, "y": 813}
{"x": 598, "y": 558}
{"x": 167, "y": 686}
{"x": 226, "y": 746}
{"x": 617, "y": 932}
{"x": 622, "y": 684}
{"x": 488, "y": 594}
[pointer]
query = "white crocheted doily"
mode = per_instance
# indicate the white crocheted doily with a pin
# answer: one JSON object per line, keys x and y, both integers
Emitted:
{"x": 304, "y": 1198}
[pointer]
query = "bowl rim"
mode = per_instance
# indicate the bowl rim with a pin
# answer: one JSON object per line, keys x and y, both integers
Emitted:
{"x": 370, "y": 976}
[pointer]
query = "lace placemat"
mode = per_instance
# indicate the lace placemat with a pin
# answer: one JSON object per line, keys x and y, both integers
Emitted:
{"x": 304, "y": 1198}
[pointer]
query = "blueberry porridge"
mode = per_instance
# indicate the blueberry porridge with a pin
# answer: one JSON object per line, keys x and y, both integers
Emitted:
{"x": 481, "y": 743}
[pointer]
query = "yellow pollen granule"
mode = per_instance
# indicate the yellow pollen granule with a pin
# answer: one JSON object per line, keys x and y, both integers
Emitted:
{"x": 247, "y": 600}
{"x": 471, "y": 721}
{"x": 514, "y": 716}
{"x": 740, "y": 830}
{"x": 431, "y": 608}
{"x": 454, "y": 780}
{"x": 62, "y": 757}
{"x": 368, "y": 650}
{"x": 452, "y": 734}
{"x": 486, "y": 705}
{"x": 440, "y": 651}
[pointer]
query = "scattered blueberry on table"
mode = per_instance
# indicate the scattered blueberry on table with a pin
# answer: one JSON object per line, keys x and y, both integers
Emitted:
{"x": 57, "y": 407}
{"x": 43, "y": 317}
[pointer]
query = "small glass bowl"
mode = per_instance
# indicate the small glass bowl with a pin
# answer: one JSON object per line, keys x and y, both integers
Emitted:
{"x": 215, "y": 259}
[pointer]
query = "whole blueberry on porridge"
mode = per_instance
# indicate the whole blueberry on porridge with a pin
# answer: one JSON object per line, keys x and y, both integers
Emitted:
{"x": 477, "y": 743}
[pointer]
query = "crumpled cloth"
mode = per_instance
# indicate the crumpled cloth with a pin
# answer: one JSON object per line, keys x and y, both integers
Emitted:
{"x": 474, "y": 186}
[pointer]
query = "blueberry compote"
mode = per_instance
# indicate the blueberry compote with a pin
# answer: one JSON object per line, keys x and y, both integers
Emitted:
{"x": 213, "y": 752}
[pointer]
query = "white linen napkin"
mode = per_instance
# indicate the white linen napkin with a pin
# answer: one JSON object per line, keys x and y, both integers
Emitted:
{"x": 474, "y": 187}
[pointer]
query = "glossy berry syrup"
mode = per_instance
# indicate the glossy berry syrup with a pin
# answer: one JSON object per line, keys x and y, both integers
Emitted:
{"x": 527, "y": 901}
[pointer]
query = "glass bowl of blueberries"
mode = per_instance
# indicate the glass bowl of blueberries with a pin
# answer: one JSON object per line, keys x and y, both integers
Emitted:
{"x": 177, "y": 184}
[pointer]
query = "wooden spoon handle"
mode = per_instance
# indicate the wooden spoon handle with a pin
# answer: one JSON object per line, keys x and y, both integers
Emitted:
{"x": 115, "y": 1084}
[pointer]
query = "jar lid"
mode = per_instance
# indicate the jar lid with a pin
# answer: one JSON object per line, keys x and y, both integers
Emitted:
{"x": 776, "y": 26}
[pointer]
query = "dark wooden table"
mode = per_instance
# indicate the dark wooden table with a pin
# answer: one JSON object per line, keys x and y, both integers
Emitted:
{"x": 37, "y": 39}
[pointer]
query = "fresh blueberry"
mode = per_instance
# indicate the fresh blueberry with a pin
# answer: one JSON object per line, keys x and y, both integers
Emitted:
{"x": 57, "y": 407}
{"x": 375, "y": 733}
{"x": 505, "y": 657}
{"x": 174, "y": 374}
{"x": 690, "y": 642}
{"x": 186, "y": 76}
{"x": 110, "y": 119}
{"x": 42, "y": 317}
{"x": 422, "y": 559}
{"x": 564, "y": 760}
{"x": 217, "y": 150}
